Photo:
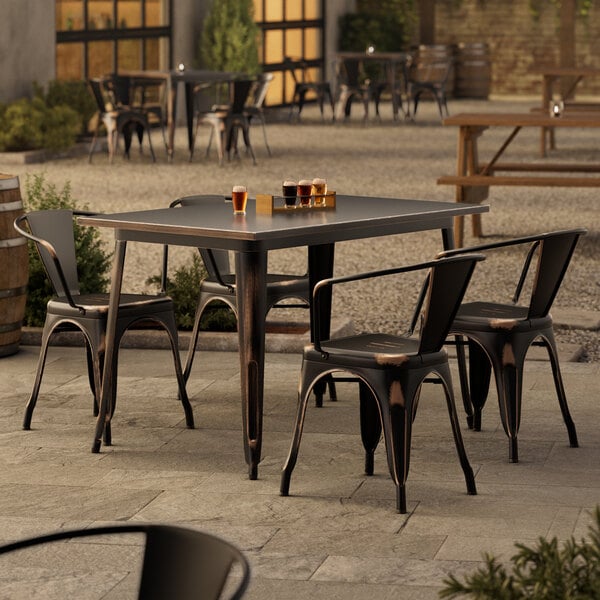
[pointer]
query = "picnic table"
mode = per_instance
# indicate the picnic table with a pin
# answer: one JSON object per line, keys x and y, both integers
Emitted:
{"x": 473, "y": 179}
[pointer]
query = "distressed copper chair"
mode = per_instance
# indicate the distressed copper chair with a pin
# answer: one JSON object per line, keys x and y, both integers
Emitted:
{"x": 500, "y": 334}
{"x": 303, "y": 84}
{"x": 118, "y": 119}
{"x": 254, "y": 110}
{"x": 391, "y": 370}
{"x": 178, "y": 562}
{"x": 52, "y": 233}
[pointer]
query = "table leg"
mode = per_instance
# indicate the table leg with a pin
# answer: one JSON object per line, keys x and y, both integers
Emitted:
{"x": 189, "y": 113}
{"x": 171, "y": 118}
{"x": 251, "y": 279}
{"x": 106, "y": 399}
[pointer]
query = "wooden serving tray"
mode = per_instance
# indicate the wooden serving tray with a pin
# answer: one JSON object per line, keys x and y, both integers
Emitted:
{"x": 266, "y": 204}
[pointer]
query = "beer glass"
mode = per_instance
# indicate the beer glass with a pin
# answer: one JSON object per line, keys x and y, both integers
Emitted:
{"x": 239, "y": 197}
{"x": 319, "y": 189}
{"x": 289, "y": 193}
{"x": 304, "y": 192}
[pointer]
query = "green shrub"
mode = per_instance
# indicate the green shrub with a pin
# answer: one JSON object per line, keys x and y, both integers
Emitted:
{"x": 74, "y": 94}
{"x": 183, "y": 288}
{"x": 545, "y": 571}
{"x": 31, "y": 125}
{"x": 229, "y": 40}
{"x": 93, "y": 262}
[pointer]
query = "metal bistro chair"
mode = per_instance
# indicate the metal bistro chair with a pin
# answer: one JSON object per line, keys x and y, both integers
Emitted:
{"x": 391, "y": 370}
{"x": 118, "y": 119}
{"x": 226, "y": 121}
{"x": 304, "y": 85}
{"x": 178, "y": 563}
{"x": 220, "y": 286}
{"x": 429, "y": 78}
{"x": 70, "y": 310}
{"x": 352, "y": 86}
{"x": 500, "y": 334}
{"x": 254, "y": 110}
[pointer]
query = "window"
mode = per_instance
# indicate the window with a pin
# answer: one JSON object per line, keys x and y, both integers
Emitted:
{"x": 289, "y": 28}
{"x": 94, "y": 37}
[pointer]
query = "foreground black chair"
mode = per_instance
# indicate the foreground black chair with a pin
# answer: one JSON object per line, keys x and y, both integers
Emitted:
{"x": 117, "y": 118}
{"x": 178, "y": 563}
{"x": 391, "y": 370}
{"x": 70, "y": 310}
{"x": 303, "y": 84}
{"x": 500, "y": 334}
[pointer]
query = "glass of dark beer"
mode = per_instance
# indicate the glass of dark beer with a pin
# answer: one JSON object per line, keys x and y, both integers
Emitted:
{"x": 304, "y": 192}
{"x": 290, "y": 190}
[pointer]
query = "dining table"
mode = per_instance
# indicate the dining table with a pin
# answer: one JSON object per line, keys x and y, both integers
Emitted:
{"x": 212, "y": 224}
{"x": 173, "y": 79}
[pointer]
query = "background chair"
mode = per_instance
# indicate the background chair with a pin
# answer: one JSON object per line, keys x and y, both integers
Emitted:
{"x": 254, "y": 110}
{"x": 52, "y": 232}
{"x": 178, "y": 563}
{"x": 118, "y": 119}
{"x": 352, "y": 85}
{"x": 226, "y": 120}
{"x": 500, "y": 334}
{"x": 391, "y": 370}
{"x": 298, "y": 69}
{"x": 429, "y": 77}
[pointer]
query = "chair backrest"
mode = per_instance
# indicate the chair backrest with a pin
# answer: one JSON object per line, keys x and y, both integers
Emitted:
{"x": 96, "y": 85}
{"x": 288, "y": 65}
{"x": 260, "y": 91}
{"x": 351, "y": 72}
{"x": 430, "y": 68}
{"x": 178, "y": 563}
{"x": 447, "y": 284}
{"x": 120, "y": 88}
{"x": 52, "y": 232}
{"x": 216, "y": 262}
{"x": 240, "y": 90}
{"x": 554, "y": 255}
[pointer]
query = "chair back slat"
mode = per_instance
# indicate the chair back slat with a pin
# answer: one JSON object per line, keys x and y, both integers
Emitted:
{"x": 260, "y": 92}
{"x": 447, "y": 284}
{"x": 56, "y": 227}
{"x": 239, "y": 95}
{"x": 555, "y": 253}
{"x": 96, "y": 87}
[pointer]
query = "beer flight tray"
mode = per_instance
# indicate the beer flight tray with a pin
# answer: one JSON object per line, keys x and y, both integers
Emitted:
{"x": 266, "y": 204}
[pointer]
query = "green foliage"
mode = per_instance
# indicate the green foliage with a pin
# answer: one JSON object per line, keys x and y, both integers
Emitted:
{"x": 547, "y": 571}
{"x": 229, "y": 40}
{"x": 183, "y": 288}
{"x": 74, "y": 94}
{"x": 388, "y": 25}
{"x": 32, "y": 124}
{"x": 582, "y": 8}
{"x": 93, "y": 262}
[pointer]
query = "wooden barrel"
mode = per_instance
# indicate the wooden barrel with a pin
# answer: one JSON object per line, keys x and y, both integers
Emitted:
{"x": 473, "y": 71}
{"x": 14, "y": 266}
{"x": 430, "y": 62}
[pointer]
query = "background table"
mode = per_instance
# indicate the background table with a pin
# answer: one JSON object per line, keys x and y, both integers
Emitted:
{"x": 212, "y": 225}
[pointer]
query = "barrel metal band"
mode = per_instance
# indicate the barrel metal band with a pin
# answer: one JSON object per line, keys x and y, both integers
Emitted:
{"x": 12, "y": 292}
{"x": 7, "y": 327}
{"x": 13, "y": 242}
{"x": 9, "y": 206}
{"x": 9, "y": 183}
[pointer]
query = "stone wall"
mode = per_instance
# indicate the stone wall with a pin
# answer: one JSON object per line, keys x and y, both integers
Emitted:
{"x": 517, "y": 40}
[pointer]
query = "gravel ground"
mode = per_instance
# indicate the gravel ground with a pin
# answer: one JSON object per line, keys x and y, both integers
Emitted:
{"x": 380, "y": 158}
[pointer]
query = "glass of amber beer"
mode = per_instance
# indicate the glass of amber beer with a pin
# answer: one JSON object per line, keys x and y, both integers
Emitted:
{"x": 290, "y": 190}
{"x": 239, "y": 198}
{"x": 319, "y": 189}
{"x": 304, "y": 192}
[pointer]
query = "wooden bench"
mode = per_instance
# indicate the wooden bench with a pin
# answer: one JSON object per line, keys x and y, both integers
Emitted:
{"x": 524, "y": 180}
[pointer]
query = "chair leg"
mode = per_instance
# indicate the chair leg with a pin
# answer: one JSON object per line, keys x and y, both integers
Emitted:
{"x": 264, "y": 129}
{"x": 479, "y": 381}
{"x": 550, "y": 344}
{"x": 463, "y": 375}
{"x": 458, "y": 440}
{"x": 30, "y": 406}
{"x": 370, "y": 426}
{"x": 246, "y": 136}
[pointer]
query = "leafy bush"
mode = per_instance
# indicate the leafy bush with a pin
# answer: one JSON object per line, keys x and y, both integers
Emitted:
{"x": 546, "y": 571}
{"x": 74, "y": 94}
{"x": 183, "y": 288}
{"x": 229, "y": 40}
{"x": 31, "y": 125}
{"x": 93, "y": 262}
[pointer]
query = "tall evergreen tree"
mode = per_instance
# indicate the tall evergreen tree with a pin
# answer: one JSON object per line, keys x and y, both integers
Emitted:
{"x": 229, "y": 39}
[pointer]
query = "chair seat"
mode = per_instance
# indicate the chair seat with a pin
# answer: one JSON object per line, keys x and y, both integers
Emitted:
{"x": 96, "y": 305}
{"x": 478, "y": 316}
{"x": 290, "y": 284}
